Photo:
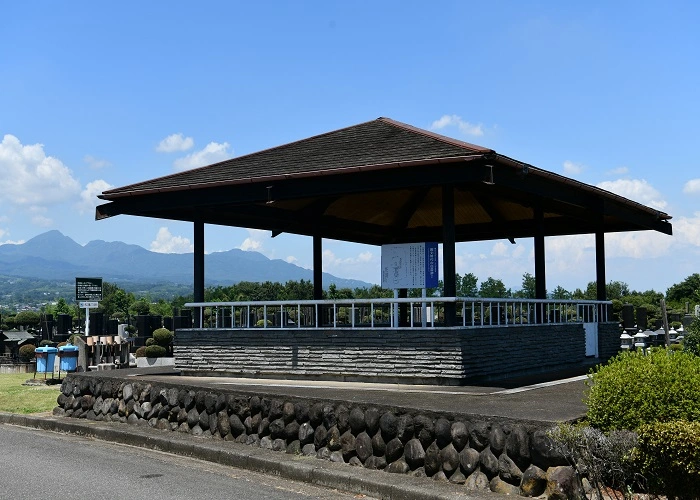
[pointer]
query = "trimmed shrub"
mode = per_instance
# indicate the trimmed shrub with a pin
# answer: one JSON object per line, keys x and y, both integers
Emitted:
{"x": 150, "y": 341}
{"x": 668, "y": 454}
{"x": 45, "y": 343}
{"x": 140, "y": 352}
{"x": 156, "y": 351}
{"x": 635, "y": 389}
{"x": 26, "y": 352}
{"x": 163, "y": 337}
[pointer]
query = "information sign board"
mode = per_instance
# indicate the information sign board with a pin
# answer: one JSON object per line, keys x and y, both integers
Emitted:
{"x": 410, "y": 265}
{"x": 88, "y": 289}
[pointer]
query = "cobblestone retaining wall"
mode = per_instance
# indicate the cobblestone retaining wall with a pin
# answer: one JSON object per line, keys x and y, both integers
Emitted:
{"x": 480, "y": 452}
{"x": 446, "y": 356}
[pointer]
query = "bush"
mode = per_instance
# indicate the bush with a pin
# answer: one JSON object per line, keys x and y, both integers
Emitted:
{"x": 691, "y": 339}
{"x": 604, "y": 459}
{"x": 26, "y": 352}
{"x": 635, "y": 389}
{"x": 156, "y": 351}
{"x": 140, "y": 352}
{"x": 163, "y": 337}
{"x": 45, "y": 343}
{"x": 62, "y": 344}
{"x": 150, "y": 341}
{"x": 668, "y": 454}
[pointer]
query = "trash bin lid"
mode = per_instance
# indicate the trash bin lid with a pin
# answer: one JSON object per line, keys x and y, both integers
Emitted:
{"x": 68, "y": 348}
{"x": 46, "y": 348}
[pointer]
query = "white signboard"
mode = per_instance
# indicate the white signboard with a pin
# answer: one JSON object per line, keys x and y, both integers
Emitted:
{"x": 88, "y": 305}
{"x": 410, "y": 265}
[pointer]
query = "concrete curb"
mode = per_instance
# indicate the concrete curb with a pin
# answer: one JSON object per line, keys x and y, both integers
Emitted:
{"x": 358, "y": 480}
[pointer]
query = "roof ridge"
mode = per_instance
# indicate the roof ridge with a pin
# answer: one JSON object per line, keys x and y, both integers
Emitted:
{"x": 433, "y": 135}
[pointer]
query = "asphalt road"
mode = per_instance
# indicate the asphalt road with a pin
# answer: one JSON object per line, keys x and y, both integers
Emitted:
{"x": 37, "y": 464}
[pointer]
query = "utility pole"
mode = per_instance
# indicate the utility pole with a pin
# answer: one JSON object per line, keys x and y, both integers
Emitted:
{"x": 665, "y": 319}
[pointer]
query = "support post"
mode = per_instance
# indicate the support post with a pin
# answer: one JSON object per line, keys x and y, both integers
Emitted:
{"x": 448, "y": 252}
{"x": 540, "y": 269}
{"x": 198, "y": 268}
{"x": 318, "y": 267}
{"x": 600, "y": 265}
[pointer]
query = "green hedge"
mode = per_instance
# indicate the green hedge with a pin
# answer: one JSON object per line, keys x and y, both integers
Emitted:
{"x": 156, "y": 351}
{"x": 668, "y": 454}
{"x": 163, "y": 337}
{"x": 635, "y": 389}
{"x": 26, "y": 352}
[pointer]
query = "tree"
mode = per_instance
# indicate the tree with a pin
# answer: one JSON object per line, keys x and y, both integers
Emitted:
{"x": 493, "y": 288}
{"x": 27, "y": 319}
{"x": 529, "y": 289}
{"x": 687, "y": 290}
{"x": 467, "y": 285}
{"x": 140, "y": 307}
{"x": 561, "y": 293}
{"x": 161, "y": 308}
{"x": 116, "y": 302}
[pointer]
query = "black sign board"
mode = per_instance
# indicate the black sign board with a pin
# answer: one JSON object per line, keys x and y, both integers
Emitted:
{"x": 88, "y": 289}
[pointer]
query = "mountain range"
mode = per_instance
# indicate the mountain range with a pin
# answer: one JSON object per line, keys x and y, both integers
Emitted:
{"x": 54, "y": 256}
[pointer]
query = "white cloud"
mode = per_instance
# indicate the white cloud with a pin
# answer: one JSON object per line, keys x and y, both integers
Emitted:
{"x": 29, "y": 178}
{"x": 255, "y": 240}
{"x": 212, "y": 153}
{"x": 96, "y": 163}
{"x": 464, "y": 127}
{"x": 618, "y": 171}
{"x": 571, "y": 168}
{"x": 332, "y": 261}
{"x": 687, "y": 229}
{"x": 42, "y": 221}
{"x": 499, "y": 250}
{"x": 638, "y": 190}
{"x": 165, "y": 242}
{"x": 291, "y": 259}
{"x": 692, "y": 187}
{"x": 175, "y": 142}
{"x": 88, "y": 196}
{"x": 637, "y": 244}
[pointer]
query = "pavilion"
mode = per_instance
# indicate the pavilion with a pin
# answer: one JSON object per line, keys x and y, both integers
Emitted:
{"x": 383, "y": 182}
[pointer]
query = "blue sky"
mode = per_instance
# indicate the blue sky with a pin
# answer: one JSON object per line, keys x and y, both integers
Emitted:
{"x": 96, "y": 95}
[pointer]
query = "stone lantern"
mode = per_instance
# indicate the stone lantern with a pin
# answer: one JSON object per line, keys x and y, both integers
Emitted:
{"x": 654, "y": 338}
{"x": 672, "y": 336}
{"x": 640, "y": 340}
{"x": 626, "y": 341}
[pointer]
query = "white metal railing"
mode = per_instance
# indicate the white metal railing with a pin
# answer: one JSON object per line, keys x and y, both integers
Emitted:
{"x": 396, "y": 313}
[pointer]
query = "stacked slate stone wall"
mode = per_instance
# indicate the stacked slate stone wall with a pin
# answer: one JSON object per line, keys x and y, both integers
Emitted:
{"x": 480, "y": 452}
{"x": 450, "y": 356}
{"x": 608, "y": 340}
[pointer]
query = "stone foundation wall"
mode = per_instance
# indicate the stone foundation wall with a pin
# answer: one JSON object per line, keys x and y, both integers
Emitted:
{"x": 479, "y": 452}
{"x": 446, "y": 356}
{"x": 608, "y": 340}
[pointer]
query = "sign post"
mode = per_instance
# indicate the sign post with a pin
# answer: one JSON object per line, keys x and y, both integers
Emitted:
{"x": 409, "y": 265}
{"x": 88, "y": 293}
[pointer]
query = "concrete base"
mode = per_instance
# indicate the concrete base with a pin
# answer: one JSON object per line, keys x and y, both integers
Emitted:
{"x": 146, "y": 362}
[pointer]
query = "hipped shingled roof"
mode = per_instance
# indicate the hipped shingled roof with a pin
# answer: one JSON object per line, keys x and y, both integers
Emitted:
{"x": 382, "y": 182}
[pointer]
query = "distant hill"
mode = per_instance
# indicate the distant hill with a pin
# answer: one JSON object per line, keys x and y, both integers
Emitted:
{"x": 54, "y": 256}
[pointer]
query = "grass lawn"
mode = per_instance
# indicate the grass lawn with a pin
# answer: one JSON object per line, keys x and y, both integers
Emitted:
{"x": 18, "y": 398}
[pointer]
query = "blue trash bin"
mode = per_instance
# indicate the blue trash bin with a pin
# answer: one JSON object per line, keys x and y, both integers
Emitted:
{"x": 69, "y": 358}
{"x": 45, "y": 359}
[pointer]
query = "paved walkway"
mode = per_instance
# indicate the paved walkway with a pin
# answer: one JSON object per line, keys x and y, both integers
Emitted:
{"x": 552, "y": 401}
